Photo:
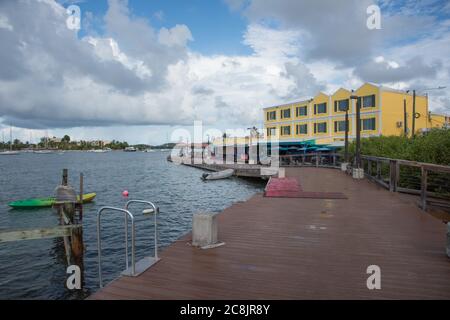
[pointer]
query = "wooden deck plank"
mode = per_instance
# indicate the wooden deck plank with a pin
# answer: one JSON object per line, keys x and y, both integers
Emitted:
{"x": 292, "y": 248}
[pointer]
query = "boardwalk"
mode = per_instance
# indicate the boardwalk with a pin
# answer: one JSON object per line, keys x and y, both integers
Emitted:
{"x": 299, "y": 248}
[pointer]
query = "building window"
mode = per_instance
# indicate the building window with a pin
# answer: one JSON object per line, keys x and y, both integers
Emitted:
{"x": 301, "y": 129}
{"x": 368, "y": 101}
{"x": 286, "y": 113}
{"x": 271, "y": 131}
{"x": 339, "y": 126}
{"x": 271, "y": 115}
{"x": 286, "y": 130}
{"x": 368, "y": 124}
{"x": 320, "y": 108}
{"x": 341, "y": 105}
{"x": 320, "y": 127}
{"x": 301, "y": 111}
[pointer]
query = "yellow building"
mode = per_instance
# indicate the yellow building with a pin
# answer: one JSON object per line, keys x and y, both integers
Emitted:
{"x": 321, "y": 119}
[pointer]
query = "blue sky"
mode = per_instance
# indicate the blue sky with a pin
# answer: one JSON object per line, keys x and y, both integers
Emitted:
{"x": 215, "y": 27}
{"x": 137, "y": 70}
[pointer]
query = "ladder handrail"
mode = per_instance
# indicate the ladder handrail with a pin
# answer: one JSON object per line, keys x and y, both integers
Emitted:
{"x": 155, "y": 212}
{"x": 99, "y": 246}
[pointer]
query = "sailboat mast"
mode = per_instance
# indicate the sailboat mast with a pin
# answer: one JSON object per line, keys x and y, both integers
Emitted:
{"x": 10, "y": 138}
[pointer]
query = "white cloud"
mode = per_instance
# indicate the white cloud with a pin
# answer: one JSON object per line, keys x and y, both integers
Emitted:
{"x": 4, "y": 23}
{"x": 176, "y": 36}
{"x": 136, "y": 75}
{"x": 410, "y": 51}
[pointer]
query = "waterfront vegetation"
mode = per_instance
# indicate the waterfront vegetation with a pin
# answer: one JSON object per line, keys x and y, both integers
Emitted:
{"x": 66, "y": 144}
{"x": 432, "y": 147}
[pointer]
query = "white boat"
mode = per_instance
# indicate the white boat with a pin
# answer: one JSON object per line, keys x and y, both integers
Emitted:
{"x": 43, "y": 151}
{"x": 130, "y": 149}
{"x": 218, "y": 175}
{"x": 9, "y": 153}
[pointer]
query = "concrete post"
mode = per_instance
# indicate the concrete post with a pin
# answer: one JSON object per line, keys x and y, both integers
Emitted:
{"x": 344, "y": 166}
{"x": 358, "y": 173}
{"x": 281, "y": 173}
{"x": 204, "y": 229}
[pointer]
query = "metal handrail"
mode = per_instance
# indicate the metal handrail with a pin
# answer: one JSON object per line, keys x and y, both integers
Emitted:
{"x": 99, "y": 245}
{"x": 155, "y": 212}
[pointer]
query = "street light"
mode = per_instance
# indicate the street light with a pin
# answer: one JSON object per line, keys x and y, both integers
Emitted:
{"x": 346, "y": 134}
{"x": 358, "y": 131}
{"x": 224, "y": 148}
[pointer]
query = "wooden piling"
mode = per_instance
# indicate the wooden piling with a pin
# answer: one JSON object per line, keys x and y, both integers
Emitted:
{"x": 73, "y": 242}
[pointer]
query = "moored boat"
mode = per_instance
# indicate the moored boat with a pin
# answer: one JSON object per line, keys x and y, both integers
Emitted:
{"x": 9, "y": 153}
{"x": 218, "y": 175}
{"x": 45, "y": 202}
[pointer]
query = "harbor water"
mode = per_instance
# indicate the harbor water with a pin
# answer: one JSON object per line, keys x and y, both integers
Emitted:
{"x": 36, "y": 269}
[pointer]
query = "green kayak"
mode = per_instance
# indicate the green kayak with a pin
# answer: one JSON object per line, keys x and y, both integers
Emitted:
{"x": 45, "y": 202}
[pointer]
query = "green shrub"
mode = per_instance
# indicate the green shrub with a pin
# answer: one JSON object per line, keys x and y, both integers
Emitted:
{"x": 432, "y": 147}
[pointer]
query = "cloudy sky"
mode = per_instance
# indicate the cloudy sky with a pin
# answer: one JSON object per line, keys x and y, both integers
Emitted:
{"x": 137, "y": 70}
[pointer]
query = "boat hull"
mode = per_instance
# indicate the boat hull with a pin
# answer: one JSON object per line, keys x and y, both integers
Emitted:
{"x": 45, "y": 202}
{"x": 218, "y": 175}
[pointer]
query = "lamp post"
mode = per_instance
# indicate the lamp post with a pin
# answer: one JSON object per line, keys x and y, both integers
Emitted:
{"x": 224, "y": 148}
{"x": 358, "y": 131}
{"x": 358, "y": 172}
{"x": 345, "y": 163}
{"x": 346, "y": 135}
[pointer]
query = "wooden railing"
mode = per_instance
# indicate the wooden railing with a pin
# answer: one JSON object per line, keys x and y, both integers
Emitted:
{"x": 316, "y": 159}
{"x": 424, "y": 179}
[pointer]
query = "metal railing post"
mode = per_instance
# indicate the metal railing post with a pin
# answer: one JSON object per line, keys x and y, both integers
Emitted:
{"x": 99, "y": 244}
{"x": 423, "y": 187}
{"x": 155, "y": 212}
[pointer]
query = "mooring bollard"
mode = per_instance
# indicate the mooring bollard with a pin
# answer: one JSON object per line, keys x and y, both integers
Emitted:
{"x": 358, "y": 173}
{"x": 204, "y": 229}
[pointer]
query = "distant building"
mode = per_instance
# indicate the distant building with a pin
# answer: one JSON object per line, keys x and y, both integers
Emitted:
{"x": 99, "y": 143}
{"x": 54, "y": 140}
{"x": 321, "y": 120}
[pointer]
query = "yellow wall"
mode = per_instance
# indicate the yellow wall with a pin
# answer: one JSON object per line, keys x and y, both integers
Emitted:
{"x": 387, "y": 111}
{"x": 438, "y": 120}
{"x": 393, "y": 112}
